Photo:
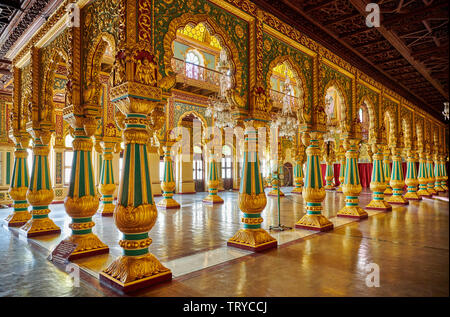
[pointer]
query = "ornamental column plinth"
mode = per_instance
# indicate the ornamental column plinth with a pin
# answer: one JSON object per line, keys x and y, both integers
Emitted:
{"x": 313, "y": 191}
{"x": 431, "y": 178}
{"x": 19, "y": 184}
{"x": 40, "y": 192}
{"x": 378, "y": 182}
{"x": 168, "y": 183}
{"x": 387, "y": 171}
{"x": 352, "y": 185}
{"x": 252, "y": 199}
{"x": 411, "y": 177}
{"x": 397, "y": 181}
{"x": 107, "y": 185}
{"x": 82, "y": 199}
{"x": 423, "y": 175}
{"x": 329, "y": 175}
{"x": 437, "y": 173}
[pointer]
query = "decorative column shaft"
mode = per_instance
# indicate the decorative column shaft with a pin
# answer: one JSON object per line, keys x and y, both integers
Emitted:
{"x": 168, "y": 183}
{"x": 397, "y": 181}
{"x": 352, "y": 185}
{"x": 423, "y": 176}
{"x": 341, "y": 174}
{"x": 18, "y": 189}
{"x": 387, "y": 171}
{"x": 377, "y": 182}
{"x": 329, "y": 176}
{"x": 252, "y": 199}
{"x": 437, "y": 173}
{"x": 298, "y": 177}
{"x": 82, "y": 200}
{"x": 411, "y": 177}
{"x": 213, "y": 183}
{"x": 40, "y": 192}
{"x": 430, "y": 185}
{"x": 444, "y": 174}
{"x": 135, "y": 213}
{"x": 275, "y": 182}
{"x": 107, "y": 185}
{"x": 313, "y": 191}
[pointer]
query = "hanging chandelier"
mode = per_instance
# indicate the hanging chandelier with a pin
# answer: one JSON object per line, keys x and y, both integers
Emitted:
{"x": 286, "y": 120}
{"x": 446, "y": 111}
{"x": 219, "y": 106}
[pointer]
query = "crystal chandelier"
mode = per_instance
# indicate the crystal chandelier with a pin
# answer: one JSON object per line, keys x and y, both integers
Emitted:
{"x": 286, "y": 120}
{"x": 219, "y": 106}
{"x": 446, "y": 111}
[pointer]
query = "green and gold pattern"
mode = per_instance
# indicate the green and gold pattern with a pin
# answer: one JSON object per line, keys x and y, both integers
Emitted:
{"x": 411, "y": 177}
{"x": 168, "y": 183}
{"x": 18, "y": 189}
{"x": 107, "y": 185}
{"x": 313, "y": 190}
{"x": 40, "y": 193}
{"x": 82, "y": 200}
{"x": 423, "y": 176}
{"x": 329, "y": 176}
{"x": 378, "y": 182}
{"x": 387, "y": 171}
{"x": 298, "y": 177}
{"x": 437, "y": 174}
{"x": 352, "y": 185}
{"x": 397, "y": 181}
{"x": 213, "y": 183}
{"x": 430, "y": 185}
{"x": 252, "y": 199}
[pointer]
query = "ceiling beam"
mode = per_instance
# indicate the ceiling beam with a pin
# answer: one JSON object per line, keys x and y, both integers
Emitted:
{"x": 399, "y": 17}
{"x": 317, "y": 6}
{"x": 342, "y": 18}
{"x": 395, "y": 41}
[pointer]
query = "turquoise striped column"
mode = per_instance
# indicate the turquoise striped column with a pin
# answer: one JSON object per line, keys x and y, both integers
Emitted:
{"x": 411, "y": 177}
{"x": 430, "y": 185}
{"x": 82, "y": 200}
{"x": 168, "y": 183}
{"x": 387, "y": 172}
{"x": 18, "y": 189}
{"x": 437, "y": 173}
{"x": 352, "y": 185}
{"x": 377, "y": 181}
{"x": 423, "y": 175}
{"x": 329, "y": 176}
{"x": 252, "y": 199}
{"x": 213, "y": 183}
{"x": 298, "y": 177}
{"x": 40, "y": 192}
{"x": 341, "y": 173}
{"x": 444, "y": 174}
{"x": 107, "y": 185}
{"x": 397, "y": 181}
{"x": 313, "y": 190}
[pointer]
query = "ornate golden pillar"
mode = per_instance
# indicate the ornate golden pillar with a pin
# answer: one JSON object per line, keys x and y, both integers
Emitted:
{"x": 329, "y": 158}
{"x": 377, "y": 181}
{"x": 275, "y": 180}
{"x": 40, "y": 192}
{"x": 387, "y": 170}
{"x": 397, "y": 181}
{"x": 168, "y": 183}
{"x": 341, "y": 157}
{"x": 137, "y": 93}
{"x": 106, "y": 184}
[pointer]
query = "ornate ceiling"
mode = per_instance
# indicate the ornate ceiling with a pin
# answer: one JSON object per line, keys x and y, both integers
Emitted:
{"x": 408, "y": 53}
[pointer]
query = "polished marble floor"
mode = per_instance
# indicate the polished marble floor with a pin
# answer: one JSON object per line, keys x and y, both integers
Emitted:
{"x": 409, "y": 244}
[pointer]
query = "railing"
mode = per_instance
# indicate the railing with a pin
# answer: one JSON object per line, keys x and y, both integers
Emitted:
{"x": 197, "y": 72}
{"x": 278, "y": 98}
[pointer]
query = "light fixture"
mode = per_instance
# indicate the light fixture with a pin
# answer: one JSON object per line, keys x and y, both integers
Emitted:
{"x": 446, "y": 111}
{"x": 218, "y": 106}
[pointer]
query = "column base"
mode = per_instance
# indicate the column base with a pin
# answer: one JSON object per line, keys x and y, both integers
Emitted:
{"x": 40, "y": 227}
{"x": 87, "y": 245}
{"x": 255, "y": 240}
{"x": 397, "y": 200}
{"x": 353, "y": 212}
{"x": 439, "y": 189}
{"x": 339, "y": 190}
{"x": 213, "y": 199}
{"x": 106, "y": 210}
{"x": 388, "y": 191}
{"x": 18, "y": 219}
{"x": 431, "y": 191}
{"x": 130, "y": 273}
{"x": 314, "y": 222}
{"x": 329, "y": 187}
{"x": 297, "y": 191}
{"x": 274, "y": 192}
{"x": 412, "y": 196}
{"x": 423, "y": 193}
{"x": 379, "y": 205}
{"x": 168, "y": 203}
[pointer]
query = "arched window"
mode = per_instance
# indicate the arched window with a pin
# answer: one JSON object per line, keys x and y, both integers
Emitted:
{"x": 198, "y": 163}
{"x": 68, "y": 157}
{"x": 226, "y": 162}
{"x": 193, "y": 61}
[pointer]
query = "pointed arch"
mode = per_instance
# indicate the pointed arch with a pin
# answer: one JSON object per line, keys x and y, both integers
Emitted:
{"x": 341, "y": 92}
